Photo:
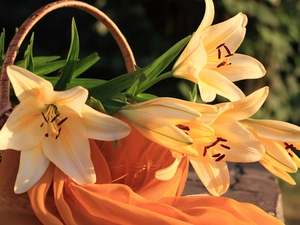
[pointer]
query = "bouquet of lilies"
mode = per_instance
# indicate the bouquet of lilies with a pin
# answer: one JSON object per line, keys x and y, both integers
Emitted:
{"x": 90, "y": 151}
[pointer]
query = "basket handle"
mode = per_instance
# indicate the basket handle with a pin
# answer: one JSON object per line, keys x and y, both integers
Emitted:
{"x": 5, "y": 106}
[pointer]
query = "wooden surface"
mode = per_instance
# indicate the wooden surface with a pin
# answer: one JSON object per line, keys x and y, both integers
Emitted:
{"x": 250, "y": 182}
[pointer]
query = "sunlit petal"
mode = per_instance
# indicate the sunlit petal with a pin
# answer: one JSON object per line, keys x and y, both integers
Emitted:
{"x": 73, "y": 98}
{"x": 242, "y": 67}
{"x": 25, "y": 83}
{"x": 192, "y": 60}
{"x": 277, "y": 172}
{"x": 214, "y": 175}
{"x": 70, "y": 152}
{"x": 244, "y": 147}
{"x": 231, "y": 32}
{"x": 159, "y": 131}
{"x": 103, "y": 127}
{"x": 199, "y": 130}
{"x": 33, "y": 164}
{"x": 247, "y": 106}
{"x": 25, "y": 119}
{"x": 274, "y": 129}
{"x": 168, "y": 172}
{"x": 208, "y": 16}
{"x": 211, "y": 82}
{"x": 173, "y": 111}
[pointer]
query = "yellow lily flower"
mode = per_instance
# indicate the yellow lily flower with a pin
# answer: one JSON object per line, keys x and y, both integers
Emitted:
{"x": 50, "y": 126}
{"x": 280, "y": 140}
{"x": 162, "y": 121}
{"x": 209, "y": 59}
{"x": 230, "y": 142}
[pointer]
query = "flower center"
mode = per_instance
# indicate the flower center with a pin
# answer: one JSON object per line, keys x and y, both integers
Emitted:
{"x": 218, "y": 156}
{"x": 53, "y": 120}
{"x": 225, "y": 61}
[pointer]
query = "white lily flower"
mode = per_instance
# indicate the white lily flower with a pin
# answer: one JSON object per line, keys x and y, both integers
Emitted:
{"x": 51, "y": 126}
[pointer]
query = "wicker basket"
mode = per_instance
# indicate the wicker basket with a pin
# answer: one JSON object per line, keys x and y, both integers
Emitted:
{"x": 16, "y": 209}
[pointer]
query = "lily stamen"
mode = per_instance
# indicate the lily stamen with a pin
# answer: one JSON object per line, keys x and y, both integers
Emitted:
{"x": 219, "y": 139}
{"x": 220, "y": 158}
{"x": 182, "y": 127}
{"x": 51, "y": 116}
{"x": 225, "y": 146}
{"x": 55, "y": 117}
{"x": 62, "y": 121}
{"x": 216, "y": 155}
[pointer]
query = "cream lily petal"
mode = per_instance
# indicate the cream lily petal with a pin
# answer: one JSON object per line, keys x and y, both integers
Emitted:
{"x": 247, "y": 106}
{"x": 73, "y": 98}
{"x": 168, "y": 172}
{"x": 199, "y": 130}
{"x": 211, "y": 83}
{"x": 208, "y": 112}
{"x": 274, "y": 129}
{"x": 295, "y": 159}
{"x": 243, "y": 146}
{"x": 192, "y": 60}
{"x": 208, "y": 16}
{"x": 25, "y": 83}
{"x": 159, "y": 131}
{"x": 25, "y": 119}
{"x": 277, "y": 172}
{"x": 231, "y": 32}
{"x": 70, "y": 151}
{"x": 33, "y": 164}
{"x": 172, "y": 111}
{"x": 272, "y": 156}
{"x": 242, "y": 67}
{"x": 100, "y": 126}
{"x": 214, "y": 175}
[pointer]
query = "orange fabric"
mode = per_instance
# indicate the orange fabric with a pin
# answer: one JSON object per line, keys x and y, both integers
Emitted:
{"x": 126, "y": 192}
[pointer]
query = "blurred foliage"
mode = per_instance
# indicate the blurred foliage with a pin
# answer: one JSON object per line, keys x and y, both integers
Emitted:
{"x": 153, "y": 26}
{"x": 272, "y": 37}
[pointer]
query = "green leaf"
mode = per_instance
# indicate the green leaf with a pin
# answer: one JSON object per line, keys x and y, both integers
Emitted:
{"x": 83, "y": 82}
{"x": 67, "y": 71}
{"x": 48, "y": 68}
{"x": 114, "y": 86}
{"x": 133, "y": 88}
{"x": 95, "y": 104}
{"x": 85, "y": 64}
{"x": 38, "y": 60}
{"x": 144, "y": 97}
{"x": 28, "y": 56}
{"x": 193, "y": 93}
{"x": 162, "y": 62}
{"x": 2, "y": 44}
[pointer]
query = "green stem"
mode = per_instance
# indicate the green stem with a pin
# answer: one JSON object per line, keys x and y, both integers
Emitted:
{"x": 148, "y": 84}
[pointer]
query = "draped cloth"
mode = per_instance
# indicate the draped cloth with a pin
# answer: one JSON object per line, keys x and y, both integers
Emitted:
{"x": 126, "y": 192}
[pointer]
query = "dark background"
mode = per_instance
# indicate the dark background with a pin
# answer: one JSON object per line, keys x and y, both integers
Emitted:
{"x": 153, "y": 26}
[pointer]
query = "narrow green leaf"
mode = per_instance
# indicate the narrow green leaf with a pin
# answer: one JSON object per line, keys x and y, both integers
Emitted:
{"x": 144, "y": 97}
{"x": 67, "y": 71}
{"x": 165, "y": 59}
{"x": 48, "y": 68}
{"x": 2, "y": 46}
{"x": 112, "y": 87}
{"x": 162, "y": 62}
{"x": 133, "y": 88}
{"x": 95, "y": 104}
{"x": 193, "y": 93}
{"x": 85, "y": 64}
{"x": 28, "y": 55}
{"x": 39, "y": 60}
{"x": 83, "y": 82}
